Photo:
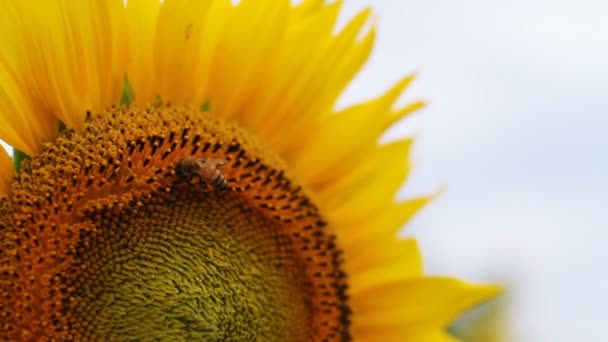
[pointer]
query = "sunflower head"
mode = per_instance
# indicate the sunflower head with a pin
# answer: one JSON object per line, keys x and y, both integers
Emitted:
{"x": 187, "y": 178}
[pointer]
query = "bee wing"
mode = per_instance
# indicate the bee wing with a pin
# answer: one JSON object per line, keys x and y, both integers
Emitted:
{"x": 216, "y": 161}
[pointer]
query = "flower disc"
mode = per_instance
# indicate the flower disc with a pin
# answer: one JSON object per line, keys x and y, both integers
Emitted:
{"x": 106, "y": 240}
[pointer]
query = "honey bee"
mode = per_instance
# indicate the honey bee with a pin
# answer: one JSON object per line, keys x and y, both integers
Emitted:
{"x": 206, "y": 169}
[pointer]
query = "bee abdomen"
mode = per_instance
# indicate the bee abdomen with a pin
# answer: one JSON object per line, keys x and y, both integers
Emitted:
{"x": 220, "y": 183}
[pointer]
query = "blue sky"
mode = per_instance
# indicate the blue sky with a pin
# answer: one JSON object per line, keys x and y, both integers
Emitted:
{"x": 515, "y": 132}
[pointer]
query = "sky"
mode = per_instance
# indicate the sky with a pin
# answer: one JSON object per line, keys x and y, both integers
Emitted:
{"x": 514, "y": 132}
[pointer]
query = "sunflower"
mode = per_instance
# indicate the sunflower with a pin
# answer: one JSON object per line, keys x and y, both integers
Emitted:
{"x": 181, "y": 173}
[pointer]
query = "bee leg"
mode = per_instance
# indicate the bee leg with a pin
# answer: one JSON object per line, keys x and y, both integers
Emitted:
{"x": 179, "y": 180}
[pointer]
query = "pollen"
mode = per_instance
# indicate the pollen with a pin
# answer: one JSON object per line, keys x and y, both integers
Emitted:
{"x": 103, "y": 238}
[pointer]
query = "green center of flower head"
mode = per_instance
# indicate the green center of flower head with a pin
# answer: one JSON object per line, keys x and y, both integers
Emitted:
{"x": 127, "y": 231}
{"x": 197, "y": 266}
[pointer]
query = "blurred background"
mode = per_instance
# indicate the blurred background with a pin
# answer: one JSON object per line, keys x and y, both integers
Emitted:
{"x": 515, "y": 130}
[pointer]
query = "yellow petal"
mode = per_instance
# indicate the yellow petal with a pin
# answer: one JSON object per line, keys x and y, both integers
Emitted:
{"x": 394, "y": 217}
{"x": 7, "y": 171}
{"x": 61, "y": 63}
{"x": 295, "y": 63}
{"x": 16, "y": 112}
{"x": 356, "y": 128}
{"x": 309, "y": 6}
{"x": 397, "y": 334}
{"x": 420, "y": 302}
{"x": 23, "y": 123}
{"x": 376, "y": 176}
{"x": 383, "y": 261}
{"x": 69, "y": 53}
{"x": 313, "y": 94}
{"x": 186, "y": 38}
{"x": 276, "y": 72}
{"x": 139, "y": 38}
{"x": 244, "y": 52}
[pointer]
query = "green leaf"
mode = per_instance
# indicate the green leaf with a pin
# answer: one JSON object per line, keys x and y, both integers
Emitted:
{"x": 18, "y": 157}
{"x": 158, "y": 101}
{"x": 206, "y": 106}
{"x": 127, "y": 96}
